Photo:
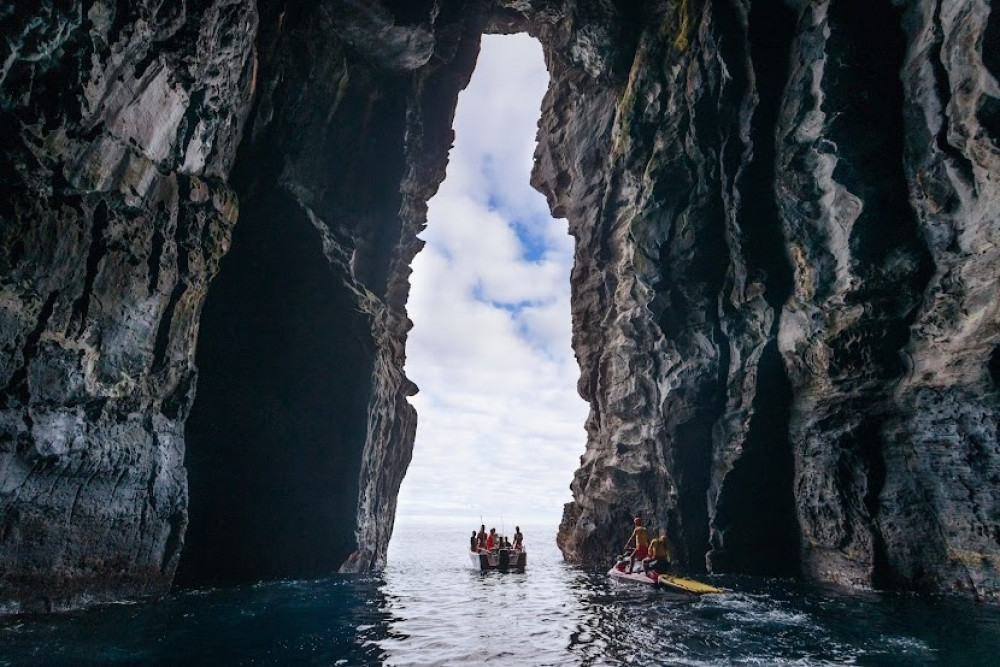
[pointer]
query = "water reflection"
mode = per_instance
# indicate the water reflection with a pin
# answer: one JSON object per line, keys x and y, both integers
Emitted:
{"x": 429, "y": 607}
{"x": 554, "y": 614}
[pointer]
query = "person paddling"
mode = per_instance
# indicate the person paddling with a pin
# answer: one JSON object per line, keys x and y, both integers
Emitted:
{"x": 641, "y": 537}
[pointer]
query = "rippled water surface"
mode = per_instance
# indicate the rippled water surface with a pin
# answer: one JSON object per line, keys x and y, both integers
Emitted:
{"x": 430, "y": 607}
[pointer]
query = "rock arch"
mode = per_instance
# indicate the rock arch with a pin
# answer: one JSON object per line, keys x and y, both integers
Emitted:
{"x": 784, "y": 296}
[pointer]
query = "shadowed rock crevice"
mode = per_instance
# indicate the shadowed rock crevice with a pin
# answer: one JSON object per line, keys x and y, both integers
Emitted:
{"x": 756, "y": 512}
{"x": 754, "y": 528}
{"x": 888, "y": 254}
{"x": 272, "y": 455}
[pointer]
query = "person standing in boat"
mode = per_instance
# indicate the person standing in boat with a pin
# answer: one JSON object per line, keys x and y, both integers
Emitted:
{"x": 491, "y": 540}
{"x": 474, "y": 542}
{"x": 518, "y": 538}
{"x": 482, "y": 536}
{"x": 641, "y": 537}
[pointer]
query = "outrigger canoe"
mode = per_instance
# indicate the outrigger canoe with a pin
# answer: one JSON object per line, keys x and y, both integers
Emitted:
{"x": 665, "y": 581}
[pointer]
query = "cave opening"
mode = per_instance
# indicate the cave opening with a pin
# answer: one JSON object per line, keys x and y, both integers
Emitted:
{"x": 501, "y": 424}
{"x": 275, "y": 437}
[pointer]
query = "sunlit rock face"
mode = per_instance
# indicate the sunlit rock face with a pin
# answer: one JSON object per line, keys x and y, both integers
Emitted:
{"x": 784, "y": 298}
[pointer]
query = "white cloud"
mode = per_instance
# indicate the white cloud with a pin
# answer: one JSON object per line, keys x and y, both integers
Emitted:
{"x": 500, "y": 423}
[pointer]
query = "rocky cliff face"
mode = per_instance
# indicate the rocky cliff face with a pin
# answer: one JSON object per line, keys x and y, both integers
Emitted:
{"x": 784, "y": 299}
{"x": 784, "y": 315}
{"x": 119, "y": 123}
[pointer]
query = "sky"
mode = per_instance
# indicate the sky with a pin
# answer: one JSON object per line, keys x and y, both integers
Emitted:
{"x": 500, "y": 425}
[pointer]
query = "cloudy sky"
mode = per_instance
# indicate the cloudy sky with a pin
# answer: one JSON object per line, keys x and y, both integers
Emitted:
{"x": 500, "y": 422}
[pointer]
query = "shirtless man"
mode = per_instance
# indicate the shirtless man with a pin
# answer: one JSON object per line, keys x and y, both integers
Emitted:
{"x": 482, "y": 537}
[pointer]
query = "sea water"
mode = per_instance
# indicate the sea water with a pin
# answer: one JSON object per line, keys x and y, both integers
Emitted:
{"x": 430, "y": 607}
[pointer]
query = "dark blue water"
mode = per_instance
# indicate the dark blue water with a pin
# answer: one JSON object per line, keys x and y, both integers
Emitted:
{"x": 430, "y": 608}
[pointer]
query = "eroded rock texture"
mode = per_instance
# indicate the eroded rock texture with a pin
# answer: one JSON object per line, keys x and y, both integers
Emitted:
{"x": 118, "y": 123}
{"x": 784, "y": 297}
{"x": 866, "y": 455}
{"x": 302, "y": 348}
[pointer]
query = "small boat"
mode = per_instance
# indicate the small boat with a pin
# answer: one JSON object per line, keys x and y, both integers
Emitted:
{"x": 639, "y": 577}
{"x": 664, "y": 581}
{"x": 501, "y": 560}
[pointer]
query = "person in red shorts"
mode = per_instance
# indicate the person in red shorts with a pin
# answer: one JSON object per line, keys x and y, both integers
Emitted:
{"x": 641, "y": 537}
{"x": 482, "y": 537}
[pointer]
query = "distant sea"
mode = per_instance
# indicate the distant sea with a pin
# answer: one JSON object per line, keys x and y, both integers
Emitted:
{"x": 430, "y": 608}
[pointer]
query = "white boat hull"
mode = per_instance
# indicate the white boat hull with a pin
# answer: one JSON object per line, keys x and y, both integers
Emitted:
{"x": 501, "y": 560}
{"x": 638, "y": 577}
{"x": 674, "y": 585}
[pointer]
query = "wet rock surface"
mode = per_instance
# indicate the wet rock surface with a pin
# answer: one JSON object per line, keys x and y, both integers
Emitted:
{"x": 784, "y": 297}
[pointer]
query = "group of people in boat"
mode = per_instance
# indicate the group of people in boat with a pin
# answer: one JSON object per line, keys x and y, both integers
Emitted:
{"x": 483, "y": 541}
{"x": 655, "y": 555}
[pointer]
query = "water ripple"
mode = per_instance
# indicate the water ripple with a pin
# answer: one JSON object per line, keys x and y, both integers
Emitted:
{"x": 430, "y": 608}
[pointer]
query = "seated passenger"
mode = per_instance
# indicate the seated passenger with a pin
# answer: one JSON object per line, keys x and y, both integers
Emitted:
{"x": 660, "y": 555}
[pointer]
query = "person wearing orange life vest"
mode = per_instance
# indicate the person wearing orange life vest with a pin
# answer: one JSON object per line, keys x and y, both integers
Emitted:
{"x": 641, "y": 537}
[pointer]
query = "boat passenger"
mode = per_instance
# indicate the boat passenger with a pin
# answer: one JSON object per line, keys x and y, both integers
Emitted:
{"x": 641, "y": 537}
{"x": 491, "y": 540}
{"x": 660, "y": 555}
{"x": 518, "y": 538}
{"x": 482, "y": 536}
{"x": 474, "y": 542}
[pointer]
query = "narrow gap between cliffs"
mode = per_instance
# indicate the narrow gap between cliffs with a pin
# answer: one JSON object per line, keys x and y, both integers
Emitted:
{"x": 500, "y": 425}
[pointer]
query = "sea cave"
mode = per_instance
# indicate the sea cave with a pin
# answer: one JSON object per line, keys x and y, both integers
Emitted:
{"x": 784, "y": 295}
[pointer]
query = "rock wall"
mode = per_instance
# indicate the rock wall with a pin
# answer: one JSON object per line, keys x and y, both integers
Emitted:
{"x": 889, "y": 159}
{"x": 784, "y": 297}
{"x": 677, "y": 282}
{"x": 303, "y": 339}
{"x": 790, "y": 351}
{"x": 119, "y": 122}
